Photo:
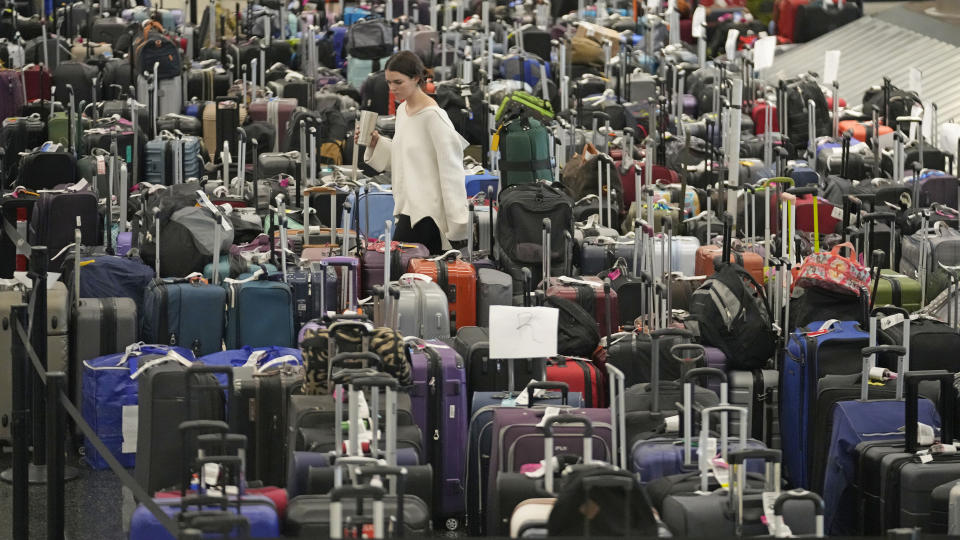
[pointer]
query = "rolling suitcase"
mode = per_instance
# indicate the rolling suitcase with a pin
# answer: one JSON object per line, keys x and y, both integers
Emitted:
{"x": 439, "y": 399}
{"x": 259, "y": 312}
{"x": 458, "y": 279}
{"x": 592, "y": 295}
{"x": 185, "y": 313}
{"x": 494, "y": 288}
{"x": 108, "y": 326}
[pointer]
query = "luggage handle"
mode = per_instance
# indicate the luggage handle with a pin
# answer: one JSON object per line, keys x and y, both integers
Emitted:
{"x": 341, "y": 358}
{"x": 548, "y": 436}
{"x": 213, "y": 521}
{"x": 698, "y": 352}
{"x": 688, "y": 407}
{"x": 399, "y": 474}
{"x": 548, "y": 385}
{"x": 359, "y": 493}
{"x": 911, "y": 407}
{"x": 798, "y": 495}
{"x": 724, "y": 443}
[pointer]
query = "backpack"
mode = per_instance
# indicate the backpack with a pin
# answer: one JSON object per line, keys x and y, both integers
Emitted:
{"x": 155, "y": 47}
{"x": 730, "y": 312}
{"x": 579, "y": 178}
{"x": 577, "y": 333}
{"x": 524, "y": 146}
{"x": 370, "y": 40}
{"x": 799, "y": 92}
{"x": 612, "y": 504}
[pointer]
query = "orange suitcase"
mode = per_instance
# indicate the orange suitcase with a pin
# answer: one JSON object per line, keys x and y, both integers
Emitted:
{"x": 458, "y": 279}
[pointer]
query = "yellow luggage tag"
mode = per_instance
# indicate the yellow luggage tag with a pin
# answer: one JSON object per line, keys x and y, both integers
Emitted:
{"x": 495, "y": 142}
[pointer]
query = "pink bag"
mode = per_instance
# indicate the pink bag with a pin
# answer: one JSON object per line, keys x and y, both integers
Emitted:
{"x": 832, "y": 271}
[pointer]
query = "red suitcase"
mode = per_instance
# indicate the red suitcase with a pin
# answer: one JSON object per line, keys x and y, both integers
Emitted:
{"x": 589, "y": 293}
{"x": 458, "y": 279}
{"x": 38, "y": 82}
{"x": 581, "y": 375}
{"x": 758, "y": 114}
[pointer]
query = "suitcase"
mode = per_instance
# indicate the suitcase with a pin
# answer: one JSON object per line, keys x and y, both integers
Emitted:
{"x": 185, "y": 313}
{"x": 480, "y": 183}
{"x": 923, "y": 252}
{"x": 263, "y": 381}
{"x": 591, "y": 294}
{"x": 943, "y": 509}
{"x": 165, "y": 401}
{"x": 483, "y": 405}
{"x": 812, "y": 352}
{"x": 276, "y": 112}
{"x": 400, "y": 255}
{"x": 108, "y": 326}
{"x": 168, "y": 94}
{"x": 486, "y": 374}
{"x": 19, "y": 134}
{"x": 582, "y": 376}
{"x": 220, "y": 123}
{"x": 8, "y": 299}
{"x": 38, "y": 82}
{"x": 458, "y": 279}
{"x": 109, "y": 399}
{"x": 518, "y": 441}
{"x": 207, "y": 84}
{"x": 55, "y": 216}
{"x": 894, "y": 486}
{"x": 494, "y": 288}
{"x": 439, "y": 399}
{"x": 259, "y": 313}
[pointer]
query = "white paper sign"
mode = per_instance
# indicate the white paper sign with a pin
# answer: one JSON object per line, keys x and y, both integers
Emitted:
{"x": 831, "y": 66}
{"x": 916, "y": 81}
{"x": 763, "y": 52}
{"x": 916, "y": 111}
{"x": 699, "y": 19}
{"x": 928, "y": 120}
{"x": 653, "y": 6}
{"x": 523, "y": 332}
{"x": 731, "y": 46}
{"x": 129, "y": 424}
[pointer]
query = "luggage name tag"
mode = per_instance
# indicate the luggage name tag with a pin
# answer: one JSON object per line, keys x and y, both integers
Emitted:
{"x": 892, "y": 320}
{"x": 836, "y": 213}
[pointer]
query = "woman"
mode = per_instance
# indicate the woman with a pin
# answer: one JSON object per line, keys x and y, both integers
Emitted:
{"x": 425, "y": 158}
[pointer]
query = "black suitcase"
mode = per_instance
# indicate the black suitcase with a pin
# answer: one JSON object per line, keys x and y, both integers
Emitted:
{"x": 107, "y": 30}
{"x": 46, "y": 170}
{"x": 77, "y": 74}
{"x": 17, "y": 135}
{"x": 207, "y": 84}
{"x": 173, "y": 122}
{"x": 163, "y": 391}
{"x": 273, "y": 164}
{"x": 485, "y": 374}
{"x": 261, "y": 415}
{"x": 115, "y": 79}
{"x": 895, "y": 487}
{"x": 228, "y": 120}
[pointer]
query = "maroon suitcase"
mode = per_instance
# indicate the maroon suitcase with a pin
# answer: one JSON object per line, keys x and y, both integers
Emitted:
{"x": 591, "y": 298}
{"x": 277, "y": 111}
{"x": 401, "y": 254}
{"x": 517, "y": 441}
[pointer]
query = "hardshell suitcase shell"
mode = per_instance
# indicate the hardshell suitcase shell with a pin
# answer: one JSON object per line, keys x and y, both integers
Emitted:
{"x": 439, "y": 399}
{"x": 494, "y": 288}
{"x": 706, "y": 255}
{"x": 422, "y": 309}
{"x": 277, "y": 112}
{"x": 108, "y": 326}
{"x": 458, "y": 279}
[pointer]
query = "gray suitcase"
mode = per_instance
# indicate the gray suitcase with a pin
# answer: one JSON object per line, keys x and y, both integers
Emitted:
{"x": 169, "y": 97}
{"x": 422, "y": 309}
{"x": 8, "y": 299}
{"x": 758, "y": 391}
{"x": 494, "y": 288}
{"x": 108, "y": 326}
{"x": 923, "y": 252}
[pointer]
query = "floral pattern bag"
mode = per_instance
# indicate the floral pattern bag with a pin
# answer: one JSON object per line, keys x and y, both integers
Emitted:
{"x": 832, "y": 271}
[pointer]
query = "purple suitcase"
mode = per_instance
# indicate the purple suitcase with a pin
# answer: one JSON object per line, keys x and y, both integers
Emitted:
{"x": 439, "y": 399}
{"x": 518, "y": 441}
{"x": 689, "y": 105}
{"x": 400, "y": 252}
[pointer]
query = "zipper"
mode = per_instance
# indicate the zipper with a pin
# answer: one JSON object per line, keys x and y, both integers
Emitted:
{"x": 435, "y": 415}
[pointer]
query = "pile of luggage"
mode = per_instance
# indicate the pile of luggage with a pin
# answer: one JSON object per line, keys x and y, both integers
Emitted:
{"x": 725, "y": 256}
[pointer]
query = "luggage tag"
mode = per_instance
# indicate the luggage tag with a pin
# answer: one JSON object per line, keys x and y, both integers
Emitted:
{"x": 523, "y": 399}
{"x": 892, "y": 320}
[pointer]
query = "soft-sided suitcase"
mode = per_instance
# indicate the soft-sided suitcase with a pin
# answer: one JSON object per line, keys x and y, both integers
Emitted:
{"x": 487, "y": 374}
{"x": 458, "y": 279}
{"x": 401, "y": 253}
{"x": 494, "y": 288}
{"x": 581, "y": 375}
{"x": 55, "y": 217}
{"x": 184, "y": 313}
{"x": 439, "y": 399}
{"x": 259, "y": 313}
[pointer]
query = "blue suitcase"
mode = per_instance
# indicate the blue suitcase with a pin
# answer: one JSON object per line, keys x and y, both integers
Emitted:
{"x": 260, "y": 511}
{"x": 379, "y": 202}
{"x": 812, "y": 352}
{"x": 478, "y": 183}
{"x": 184, "y": 312}
{"x": 305, "y": 286}
{"x": 802, "y": 174}
{"x": 855, "y": 422}
{"x": 480, "y": 443}
{"x": 523, "y": 67}
{"x": 259, "y": 312}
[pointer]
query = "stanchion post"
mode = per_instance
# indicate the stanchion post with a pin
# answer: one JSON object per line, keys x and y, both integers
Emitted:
{"x": 56, "y": 462}
{"x": 18, "y": 429}
{"x": 38, "y": 338}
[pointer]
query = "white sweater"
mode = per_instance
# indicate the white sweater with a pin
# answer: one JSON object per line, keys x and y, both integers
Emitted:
{"x": 426, "y": 164}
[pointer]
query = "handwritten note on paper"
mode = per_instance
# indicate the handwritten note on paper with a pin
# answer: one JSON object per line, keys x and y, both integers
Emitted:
{"x": 916, "y": 81}
{"x": 731, "y": 45}
{"x": 523, "y": 332}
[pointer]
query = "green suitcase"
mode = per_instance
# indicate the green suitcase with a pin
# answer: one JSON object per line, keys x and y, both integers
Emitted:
{"x": 58, "y": 130}
{"x": 518, "y": 104}
{"x": 898, "y": 290}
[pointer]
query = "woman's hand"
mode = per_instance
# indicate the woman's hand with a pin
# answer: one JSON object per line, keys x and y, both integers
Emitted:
{"x": 374, "y": 137}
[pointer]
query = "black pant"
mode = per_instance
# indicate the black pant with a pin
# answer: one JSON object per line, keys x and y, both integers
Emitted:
{"x": 424, "y": 232}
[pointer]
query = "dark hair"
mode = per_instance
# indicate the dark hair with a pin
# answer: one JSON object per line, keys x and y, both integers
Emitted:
{"x": 409, "y": 64}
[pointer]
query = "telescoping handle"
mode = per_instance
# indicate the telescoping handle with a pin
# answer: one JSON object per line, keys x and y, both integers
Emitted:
{"x": 655, "y": 338}
{"x": 688, "y": 378}
{"x": 912, "y": 410}
{"x": 548, "y": 443}
{"x": 780, "y": 527}
{"x": 563, "y": 387}
{"x": 704, "y": 456}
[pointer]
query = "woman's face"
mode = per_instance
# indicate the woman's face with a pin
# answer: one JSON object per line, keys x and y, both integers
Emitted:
{"x": 401, "y": 85}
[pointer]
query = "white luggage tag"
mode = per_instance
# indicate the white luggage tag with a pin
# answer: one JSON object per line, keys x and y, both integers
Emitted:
{"x": 523, "y": 399}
